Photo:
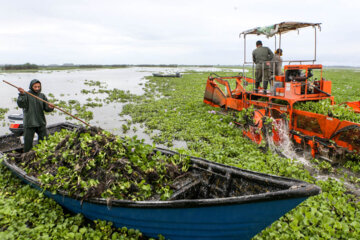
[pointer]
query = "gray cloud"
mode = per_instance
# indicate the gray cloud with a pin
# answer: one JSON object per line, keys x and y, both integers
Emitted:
{"x": 182, "y": 32}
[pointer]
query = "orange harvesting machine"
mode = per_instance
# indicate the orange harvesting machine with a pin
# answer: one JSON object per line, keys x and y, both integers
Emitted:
{"x": 320, "y": 135}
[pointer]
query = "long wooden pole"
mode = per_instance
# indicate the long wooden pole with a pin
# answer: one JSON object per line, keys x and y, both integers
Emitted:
{"x": 87, "y": 124}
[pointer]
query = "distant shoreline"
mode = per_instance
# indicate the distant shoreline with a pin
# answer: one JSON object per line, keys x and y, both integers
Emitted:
{"x": 90, "y": 66}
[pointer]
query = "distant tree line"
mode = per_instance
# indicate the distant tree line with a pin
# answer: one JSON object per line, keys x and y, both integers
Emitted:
{"x": 156, "y": 65}
{"x": 125, "y": 65}
{"x": 29, "y": 66}
{"x": 91, "y": 66}
{"x": 21, "y": 66}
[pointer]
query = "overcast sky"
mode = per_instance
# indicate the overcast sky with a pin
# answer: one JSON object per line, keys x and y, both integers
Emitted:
{"x": 171, "y": 32}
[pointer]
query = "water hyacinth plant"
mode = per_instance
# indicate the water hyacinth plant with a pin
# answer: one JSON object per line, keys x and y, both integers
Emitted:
{"x": 94, "y": 163}
{"x": 342, "y": 112}
{"x": 334, "y": 214}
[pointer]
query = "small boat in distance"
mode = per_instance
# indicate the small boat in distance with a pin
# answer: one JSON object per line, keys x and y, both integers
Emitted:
{"x": 213, "y": 201}
{"x": 177, "y": 74}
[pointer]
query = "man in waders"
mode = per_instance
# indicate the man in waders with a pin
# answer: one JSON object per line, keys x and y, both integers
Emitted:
{"x": 262, "y": 57}
{"x": 34, "y": 117}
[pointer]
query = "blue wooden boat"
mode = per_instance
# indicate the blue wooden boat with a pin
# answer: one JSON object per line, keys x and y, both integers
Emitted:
{"x": 215, "y": 201}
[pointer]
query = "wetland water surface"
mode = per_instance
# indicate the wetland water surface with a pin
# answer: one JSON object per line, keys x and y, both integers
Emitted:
{"x": 67, "y": 85}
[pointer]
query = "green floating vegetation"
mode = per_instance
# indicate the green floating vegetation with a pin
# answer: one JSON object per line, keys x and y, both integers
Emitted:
{"x": 246, "y": 116}
{"x": 81, "y": 110}
{"x": 93, "y": 163}
{"x": 345, "y": 84}
{"x": 342, "y": 112}
{"x": 74, "y": 107}
{"x": 330, "y": 215}
{"x": 3, "y": 111}
{"x": 113, "y": 95}
{"x": 117, "y": 95}
{"x": 95, "y": 83}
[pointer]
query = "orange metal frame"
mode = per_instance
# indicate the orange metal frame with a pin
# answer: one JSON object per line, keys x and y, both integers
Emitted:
{"x": 354, "y": 105}
{"x": 322, "y": 129}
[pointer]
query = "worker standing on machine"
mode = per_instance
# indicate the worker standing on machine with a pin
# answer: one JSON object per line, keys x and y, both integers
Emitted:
{"x": 34, "y": 117}
{"x": 262, "y": 57}
{"x": 276, "y": 65}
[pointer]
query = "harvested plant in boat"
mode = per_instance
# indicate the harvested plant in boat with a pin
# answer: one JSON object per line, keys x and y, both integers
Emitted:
{"x": 89, "y": 163}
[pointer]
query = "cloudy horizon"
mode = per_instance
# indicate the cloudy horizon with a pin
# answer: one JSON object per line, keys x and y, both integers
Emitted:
{"x": 170, "y": 32}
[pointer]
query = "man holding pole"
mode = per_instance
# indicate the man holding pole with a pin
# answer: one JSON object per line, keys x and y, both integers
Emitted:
{"x": 33, "y": 109}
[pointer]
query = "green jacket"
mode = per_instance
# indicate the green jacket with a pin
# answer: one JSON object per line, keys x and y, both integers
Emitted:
{"x": 261, "y": 55}
{"x": 33, "y": 108}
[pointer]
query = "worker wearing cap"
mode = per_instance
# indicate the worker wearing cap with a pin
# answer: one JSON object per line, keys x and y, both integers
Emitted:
{"x": 276, "y": 65}
{"x": 34, "y": 117}
{"x": 262, "y": 57}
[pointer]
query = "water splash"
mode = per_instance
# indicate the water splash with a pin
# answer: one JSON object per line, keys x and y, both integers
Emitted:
{"x": 285, "y": 145}
{"x": 286, "y": 148}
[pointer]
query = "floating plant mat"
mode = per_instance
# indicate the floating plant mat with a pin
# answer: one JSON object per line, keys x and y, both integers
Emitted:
{"x": 91, "y": 162}
{"x": 3, "y": 111}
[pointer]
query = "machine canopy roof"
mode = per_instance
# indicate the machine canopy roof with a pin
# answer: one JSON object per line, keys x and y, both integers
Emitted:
{"x": 282, "y": 27}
